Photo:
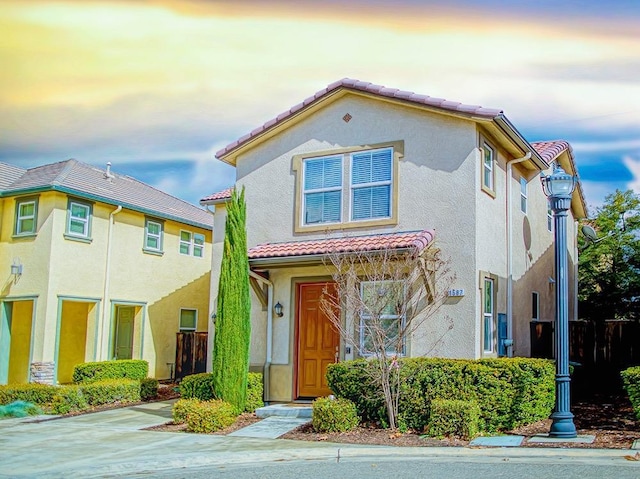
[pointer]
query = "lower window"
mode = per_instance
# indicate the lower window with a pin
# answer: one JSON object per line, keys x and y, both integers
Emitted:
{"x": 488, "y": 323}
{"x": 382, "y": 317}
{"x": 188, "y": 320}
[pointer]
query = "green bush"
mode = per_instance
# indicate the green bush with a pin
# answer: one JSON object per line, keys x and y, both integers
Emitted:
{"x": 148, "y": 389}
{"x": 452, "y": 417}
{"x": 631, "y": 381}
{"x": 40, "y": 394}
{"x": 19, "y": 409}
{"x": 509, "y": 391}
{"x": 68, "y": 399}
{"x": 198, "y": 386}
{"x": 334, "y": 415}
{"x": 254, "y": 392}
{"x": 110, "y": 391}
{"x": 210, "y": 416}
{"x": 122, "y": 368}
{"x": 182, "y": 408}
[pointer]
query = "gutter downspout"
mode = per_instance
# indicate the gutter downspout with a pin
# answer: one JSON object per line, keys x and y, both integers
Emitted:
{"x": 266, "y": 371}
{"x": 575, "y": 270}
{"x": 107, "y": 279}
{"x": 510, "y": 164}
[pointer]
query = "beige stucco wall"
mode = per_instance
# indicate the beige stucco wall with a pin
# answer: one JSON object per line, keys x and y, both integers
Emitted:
{"x": 56, "y": 268}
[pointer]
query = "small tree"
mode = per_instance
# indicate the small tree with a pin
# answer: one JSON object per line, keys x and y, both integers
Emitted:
{"x": 233, "y": 316}
{"x": 387, "y": 296}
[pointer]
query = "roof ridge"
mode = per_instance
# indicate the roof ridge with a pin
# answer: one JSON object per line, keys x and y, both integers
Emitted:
{"x": 71, "y": 163}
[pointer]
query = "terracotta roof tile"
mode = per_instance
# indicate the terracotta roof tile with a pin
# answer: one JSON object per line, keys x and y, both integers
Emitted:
{"x": 403, "y": 240}
{"x": 380, "y": 90}
{"x": 220, "y": 195}
{"x": 549, "y": 150}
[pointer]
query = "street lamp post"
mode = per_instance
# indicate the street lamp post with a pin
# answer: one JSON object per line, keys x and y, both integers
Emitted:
{"x": 559, "y": 187}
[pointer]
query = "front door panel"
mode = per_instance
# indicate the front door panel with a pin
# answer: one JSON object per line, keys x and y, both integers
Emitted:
{"x": 124, "y": 332}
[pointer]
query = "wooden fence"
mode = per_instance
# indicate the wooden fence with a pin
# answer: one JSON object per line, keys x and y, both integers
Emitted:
{"x": 191, "y": 354}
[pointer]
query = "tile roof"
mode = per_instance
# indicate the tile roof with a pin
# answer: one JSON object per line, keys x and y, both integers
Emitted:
{"x": 83, "y": 180}
{"x": 549, "y": 150}
{"x": 347, "y": 244}
{"x": 219, "y": 196}
{"x": 9, "y": 174}
{"x": 351, "y": 84}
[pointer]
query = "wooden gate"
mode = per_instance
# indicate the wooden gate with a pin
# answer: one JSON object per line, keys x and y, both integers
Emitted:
{"x": 191, "y": 354}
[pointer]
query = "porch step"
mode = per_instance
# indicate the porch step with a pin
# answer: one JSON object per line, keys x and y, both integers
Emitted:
{"x": 285, "y": 410}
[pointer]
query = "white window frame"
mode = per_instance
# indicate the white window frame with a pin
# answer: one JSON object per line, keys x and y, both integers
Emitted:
{"x": 353, "y": 187}
{"x": 198, "y": 245}
{"x": 524, "y": 185}
{"x": 184, "y": 329}
{"x": 306, "y": 192}
{"x": 488, "y": 178}
{"x": 21, "y": 218}
{"x": 186, "y": 243}
{"x": 488, "y": 317}
{"x": 195, "y": 244}
{"x": 535, "y": 306}
{"x": 86, "y": 222}
{"x": 549, "y": 218}
{"x": 158, "y": 236}
{"x": 363, "y": 318}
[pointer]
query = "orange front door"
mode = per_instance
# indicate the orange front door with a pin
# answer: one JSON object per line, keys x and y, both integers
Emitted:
{"x": 318, "y": 341}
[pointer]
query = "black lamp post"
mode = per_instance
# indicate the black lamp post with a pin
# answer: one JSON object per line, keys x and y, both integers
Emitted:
{"x": 559, "y": 187}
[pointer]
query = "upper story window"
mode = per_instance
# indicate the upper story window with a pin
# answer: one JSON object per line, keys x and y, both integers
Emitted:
{"x": 192, "y": 243}
{"x": 488, "y": 167}
{"x": 188, "y": 319}
{"x": 523, "y": 194}
{"x": 153, "y": 236}
{"x": 353, "y": 187}
{"x": 78, "y": 220}
{"x": 26, "y": 217}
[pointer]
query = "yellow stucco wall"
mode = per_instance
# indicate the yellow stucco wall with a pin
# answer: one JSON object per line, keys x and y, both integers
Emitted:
{"x": 73, "y": 338}
{"x": 19, "y": 352}
{"x": 55, "y": 268}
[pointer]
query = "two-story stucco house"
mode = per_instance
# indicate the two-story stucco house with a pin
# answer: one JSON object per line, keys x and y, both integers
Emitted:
{"x": 371, "y": 164}
{"x": 95, "y": 266}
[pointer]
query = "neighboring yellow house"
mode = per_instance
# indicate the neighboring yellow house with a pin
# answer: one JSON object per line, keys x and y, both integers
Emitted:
{"x": 95, "y": 266}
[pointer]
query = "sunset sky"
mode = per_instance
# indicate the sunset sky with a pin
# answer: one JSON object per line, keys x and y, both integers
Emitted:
{"x": 156, "y": 87}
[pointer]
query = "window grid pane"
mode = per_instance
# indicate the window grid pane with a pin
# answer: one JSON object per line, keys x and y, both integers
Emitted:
{"x": 487, "y": 153}
{"x": 79, "y": 219}
{"x": 26, "y": 217}
{"x": 523, "y": 195}
{"x": 323, "y": 190}
{"x": 371, "y": 184}
{"x": 188, "y": 320}
{"x": 383, "y": 303}
{"x": 488, "y": 316}
{"x": 153, "y": 236}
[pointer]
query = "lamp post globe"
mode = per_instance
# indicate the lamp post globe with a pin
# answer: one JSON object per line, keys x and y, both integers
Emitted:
{"x": 558, "y": 187}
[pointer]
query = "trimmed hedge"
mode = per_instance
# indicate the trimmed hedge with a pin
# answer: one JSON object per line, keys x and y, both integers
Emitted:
{"x": 69, "y": 399}
{"x": 182, "y": 408}
{"x": 40, "y": 394}
{"x": 121, "y": 368}
{"x": 509, "y": 391}
{"x": 452, "y": 417}
{"x": 631, "y": 381}
{"x": 200, "y": 386}
{"x": 254, "y": 392}
{"x": 110, "y": 391}
{"x": 148, "y": 389}
{"x": 334, "y": 415}
{"x": 210, "y": 416}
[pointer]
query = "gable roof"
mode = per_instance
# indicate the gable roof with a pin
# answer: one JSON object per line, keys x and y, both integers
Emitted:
{"x": 317, "y": 248}
{"x": 9, "y": 174}
{"x": 85, "y": 181}
{"x": 472, "y": 112}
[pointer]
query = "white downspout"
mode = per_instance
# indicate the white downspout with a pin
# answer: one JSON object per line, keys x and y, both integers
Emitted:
{"x": 510, "y": 164}
{"x": 575, "y": 270}
{"x": 266, "y": 372}
{"x": 105, "y": 293}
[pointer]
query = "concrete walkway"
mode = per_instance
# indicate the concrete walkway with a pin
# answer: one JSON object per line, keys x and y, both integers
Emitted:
{"x": 110, "y": 443}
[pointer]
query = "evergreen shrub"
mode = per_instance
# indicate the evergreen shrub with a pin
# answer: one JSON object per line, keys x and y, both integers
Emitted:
{"x": 453, "y": 417}
{"x": 19, "y": 409}
{"x": 509, "y": 391}
{"x": 334, "y": 415}
{"x": 121, "y": 368}
{"x": 254, "y": 392}
{"x": 182, "y": 408}
{"x": 40, "y": 394}
{"x": 148, "y": 389}
{"x": 631, "y": 381}
{"x": 68, "y": 399}
{"x": 210, "y": 416}
{"x": 111, "y": 391}
{"x": 198, "y": 386}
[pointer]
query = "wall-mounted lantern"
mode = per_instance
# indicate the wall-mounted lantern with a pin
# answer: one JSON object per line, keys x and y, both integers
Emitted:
{"x": 278, "y": 309}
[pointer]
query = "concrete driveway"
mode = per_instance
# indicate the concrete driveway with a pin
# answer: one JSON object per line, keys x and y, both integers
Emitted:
{"x": 111, "y": 444}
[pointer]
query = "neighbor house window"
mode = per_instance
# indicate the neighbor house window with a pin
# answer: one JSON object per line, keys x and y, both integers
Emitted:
{"x": 523, "y": 194}
{"x": 322, "y": 190}
{"x": 535, "y": 306}
{"x": 79, "y": 219}
{"x": 371, "y": 184}
{"x": 192, "y": 243}
{"x": 488, "y": 165}
{"x": 188, "y": 320}
{"x": 26, "y": 216}
{"x": 153, "y": 236}
{"x": 382, "y": 317}
{"x": 488, "y": 326}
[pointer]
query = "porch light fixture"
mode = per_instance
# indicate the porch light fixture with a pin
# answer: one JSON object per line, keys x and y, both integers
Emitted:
{"x": 559, "y": 187}
{"x": 278, "y": 309}
{"x": 16, "y": 267}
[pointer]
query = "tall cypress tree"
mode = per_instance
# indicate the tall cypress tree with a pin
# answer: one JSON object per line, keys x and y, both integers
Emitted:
{"x": 233, "y": 320}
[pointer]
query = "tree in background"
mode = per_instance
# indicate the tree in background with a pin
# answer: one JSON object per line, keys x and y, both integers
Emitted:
{"x": 609, "y": 269}
{"x": 389, "y": 295}
{"x": 233, "y": 316}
